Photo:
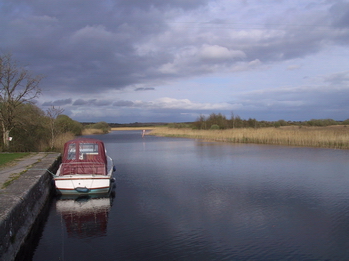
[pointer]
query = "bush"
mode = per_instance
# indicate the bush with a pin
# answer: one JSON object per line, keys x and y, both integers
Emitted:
{"x": 31, "y": 132}
{"x": 214, "y": 127}
{"x": 277, "y": 124}
{"x": 179, "y": 125}
{"x": 102, "y": 125}
{"x": 65, "y": 124}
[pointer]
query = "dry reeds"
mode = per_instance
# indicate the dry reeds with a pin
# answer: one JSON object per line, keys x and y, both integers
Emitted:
{"x": 92, "y": 131}
{"x": 324, "y": 137}
{"x": 61, "y": 139}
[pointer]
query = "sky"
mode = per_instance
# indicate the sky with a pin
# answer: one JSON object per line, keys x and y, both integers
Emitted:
{"x": 125, "y": 61}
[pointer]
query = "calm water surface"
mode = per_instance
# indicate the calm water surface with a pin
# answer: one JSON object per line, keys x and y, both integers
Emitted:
{"x": 181, "y": 199}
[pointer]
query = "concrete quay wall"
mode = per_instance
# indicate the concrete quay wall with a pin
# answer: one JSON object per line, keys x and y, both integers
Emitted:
{"x": 21, "y": 203}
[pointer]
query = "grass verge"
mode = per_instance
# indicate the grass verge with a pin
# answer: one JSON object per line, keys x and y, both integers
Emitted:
{"x": 12, "y": 178}
{"x": 8, "y": 158}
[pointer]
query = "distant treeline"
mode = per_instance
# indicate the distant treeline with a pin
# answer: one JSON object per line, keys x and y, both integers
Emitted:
{"x": 35, "y": 130}
{"x": 136, "y": 124}
{"x": 219, "y": 121}
{"x": 102, "y": 125}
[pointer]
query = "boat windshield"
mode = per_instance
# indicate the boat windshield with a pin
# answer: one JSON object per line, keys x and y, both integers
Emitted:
{"x": 71, "y": 151}
{"x": 84, "y": 150}
{"x": 87, "y": 149}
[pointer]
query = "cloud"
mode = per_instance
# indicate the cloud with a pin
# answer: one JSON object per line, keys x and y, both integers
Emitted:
{"x": 94, "y": 102}
{"x": 123, "y": 103}
{"x": 298, "y": 103}
{"x": 216, "y": 52}
{"x": 144, "y": 89}
{"x": 293, "y": 67}
{"x": 184, "y": 105}
{"x": 103, "y": 51}
{"x": 163, "y": 5}
{"x": 102, "y": 47}
{"x": 202, "y": 59}
{"x": 90, "y": 33}
{"x": 340, "y": 14}
{"x": 78, "y": 102}
{"x": 58, "y": 102}
{"x": 338, "y": 78}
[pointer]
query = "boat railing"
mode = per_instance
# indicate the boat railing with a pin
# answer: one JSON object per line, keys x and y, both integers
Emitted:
{"x": 83, "y": 168}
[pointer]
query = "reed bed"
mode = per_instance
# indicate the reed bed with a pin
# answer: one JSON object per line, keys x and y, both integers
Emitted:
{"x": 92, "y": 131}
{"x": 61, "y": 140}
{"x": 336, "y": 137}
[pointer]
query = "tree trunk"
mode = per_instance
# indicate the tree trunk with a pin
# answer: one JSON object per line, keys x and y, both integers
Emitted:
{"x": 5, "y": 137}
{"x": 52, "y": 136}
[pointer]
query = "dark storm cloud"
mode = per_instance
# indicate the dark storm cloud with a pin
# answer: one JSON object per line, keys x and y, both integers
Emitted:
{"x": 141, "y": 4}
{"x": 95, "y": 102}
{"x": 340, "y": 14}
{"x": 82, "y": 44}
{"x": 86, "y": 47}
{"x": 58, "y": 102}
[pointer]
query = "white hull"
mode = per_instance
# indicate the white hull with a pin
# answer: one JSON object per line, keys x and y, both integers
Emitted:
{"x": 82, "y": 184}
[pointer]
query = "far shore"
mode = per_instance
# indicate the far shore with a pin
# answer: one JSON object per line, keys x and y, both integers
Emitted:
{"x": 131, "y": 128}
{"x": 335, "y": 137}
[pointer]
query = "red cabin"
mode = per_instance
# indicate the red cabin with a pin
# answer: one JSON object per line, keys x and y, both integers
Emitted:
{"x": 84, "y": 156}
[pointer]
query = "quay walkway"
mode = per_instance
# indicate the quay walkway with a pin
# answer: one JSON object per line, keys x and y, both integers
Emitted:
{"x": 22, "y": 200}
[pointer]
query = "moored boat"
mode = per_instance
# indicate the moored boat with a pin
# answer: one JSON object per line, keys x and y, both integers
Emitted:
{"x": 85, "y": 169}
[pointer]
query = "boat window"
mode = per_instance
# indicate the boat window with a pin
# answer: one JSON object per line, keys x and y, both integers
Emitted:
{"x": 87, "y": 149}
{"x": 71, "y": 151}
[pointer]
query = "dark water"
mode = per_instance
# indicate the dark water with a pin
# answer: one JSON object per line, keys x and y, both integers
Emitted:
{"x": 179, "y": 199}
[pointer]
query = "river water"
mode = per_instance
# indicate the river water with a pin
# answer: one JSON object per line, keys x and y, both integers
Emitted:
{"x": 183, "y": 199}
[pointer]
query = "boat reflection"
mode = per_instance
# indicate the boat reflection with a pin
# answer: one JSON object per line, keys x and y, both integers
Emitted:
{"x": 86, "y": 216}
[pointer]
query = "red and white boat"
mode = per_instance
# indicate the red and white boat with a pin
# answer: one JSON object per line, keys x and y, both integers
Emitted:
{"x": 85, "y": 169}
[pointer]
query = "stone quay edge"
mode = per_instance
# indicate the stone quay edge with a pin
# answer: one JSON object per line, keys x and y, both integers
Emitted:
{"x": 22, "y": 201}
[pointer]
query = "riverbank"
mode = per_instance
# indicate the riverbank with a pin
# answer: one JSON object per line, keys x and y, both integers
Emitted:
{"x": 336, "y": 137}
{"x": 22, "y": 199}
{"x": 133, "y": 128}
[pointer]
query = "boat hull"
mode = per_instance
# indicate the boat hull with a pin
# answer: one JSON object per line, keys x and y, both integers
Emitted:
{"x": 85, "y": 168}
{"x": 82, "y": 184}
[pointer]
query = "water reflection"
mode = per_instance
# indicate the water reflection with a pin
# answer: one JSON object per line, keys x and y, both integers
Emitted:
{"x": 85, "y": 217}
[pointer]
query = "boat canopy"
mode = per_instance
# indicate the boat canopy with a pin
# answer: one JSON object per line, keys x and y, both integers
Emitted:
{"x": 84, "y": 156}
{"x": 84, "y": 150}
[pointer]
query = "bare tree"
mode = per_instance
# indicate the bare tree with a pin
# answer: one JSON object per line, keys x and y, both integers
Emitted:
{"x": 17, "y": 86}
{"x": 53, "y": 113}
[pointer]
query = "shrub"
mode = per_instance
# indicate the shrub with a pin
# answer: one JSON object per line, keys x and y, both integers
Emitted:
{"x": 65, "y": 124}
{"x": 102, "y": 125}
{"x": 179, "y": 125}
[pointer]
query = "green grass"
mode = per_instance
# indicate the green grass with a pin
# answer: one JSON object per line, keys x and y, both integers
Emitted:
{"x": 7, "y": 158}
